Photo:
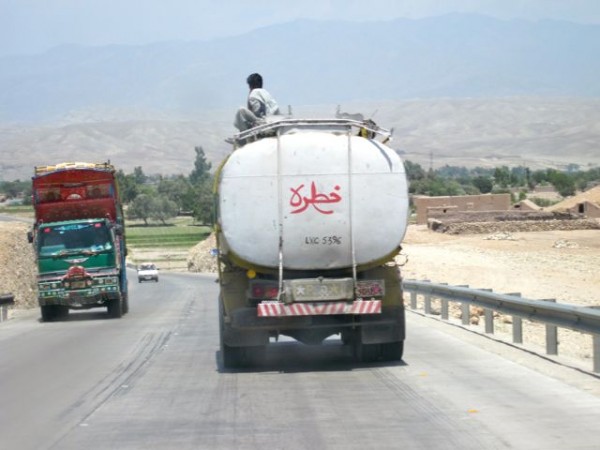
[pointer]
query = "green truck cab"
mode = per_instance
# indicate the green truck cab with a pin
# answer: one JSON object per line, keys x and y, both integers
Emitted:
{"x": 78, "y": 238}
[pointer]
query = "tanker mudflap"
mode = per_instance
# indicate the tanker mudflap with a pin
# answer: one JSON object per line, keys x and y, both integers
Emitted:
{"x": 390, "y": 329}
{"x": 237, "y": 335}
{"x": 245, "y": 338}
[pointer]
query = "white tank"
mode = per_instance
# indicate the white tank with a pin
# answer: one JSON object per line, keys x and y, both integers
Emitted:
{"x": 334, "y": 199}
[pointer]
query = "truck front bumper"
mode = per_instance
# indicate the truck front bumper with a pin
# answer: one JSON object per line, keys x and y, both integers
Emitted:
{"x": 79, "y": 299}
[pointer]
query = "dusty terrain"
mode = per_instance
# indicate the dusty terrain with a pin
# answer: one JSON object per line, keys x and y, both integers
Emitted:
{"x": 550, "y": 264}
{"x": 17, "y": 264}
{"x": 562, "y": 265}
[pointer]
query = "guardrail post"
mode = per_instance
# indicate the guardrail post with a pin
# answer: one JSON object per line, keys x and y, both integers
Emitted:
{"x": 427, "y": 304}
{"x": 466, "y": 313}
{"x": 5, "y": 300}
{"x": 596, "y": 350}
{"x": 517, "y": 329}
{"x": 551, "y": 335}
{"x": 488, "y": 315}
{"x": 489, "y": 321}
{"x": 413, "y": 300}
{"x": 444, "y": 309}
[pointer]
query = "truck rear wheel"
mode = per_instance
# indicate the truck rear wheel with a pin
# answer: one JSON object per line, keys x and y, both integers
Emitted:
{"x": 386, "y": 351}
{"x": 115, "y": 308}
{"x": 392, "y": 351}
{"x": 230, "y": 356}
{"x": 233, "y": 357}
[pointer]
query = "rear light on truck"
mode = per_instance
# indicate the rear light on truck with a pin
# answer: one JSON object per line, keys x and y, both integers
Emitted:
{"x": 263, "y": 290}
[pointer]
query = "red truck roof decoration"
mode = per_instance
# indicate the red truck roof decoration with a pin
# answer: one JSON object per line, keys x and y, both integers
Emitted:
{"x": 70, "y": 191}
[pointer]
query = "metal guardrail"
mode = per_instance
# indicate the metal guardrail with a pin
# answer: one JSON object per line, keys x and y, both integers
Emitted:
{"x": 5, "y": 301}
{"x": 578, "y": 318}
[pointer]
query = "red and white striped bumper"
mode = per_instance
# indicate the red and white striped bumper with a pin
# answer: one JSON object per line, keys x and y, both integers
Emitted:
{"x": 278, "y": 309}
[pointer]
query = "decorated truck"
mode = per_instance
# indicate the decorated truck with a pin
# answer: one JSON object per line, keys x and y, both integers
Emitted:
{"x": 310, "y": 219}
{"x": 78, "y": 238}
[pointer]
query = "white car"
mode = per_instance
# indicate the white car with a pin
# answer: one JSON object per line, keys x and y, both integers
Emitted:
{"x": 147, "y": 272}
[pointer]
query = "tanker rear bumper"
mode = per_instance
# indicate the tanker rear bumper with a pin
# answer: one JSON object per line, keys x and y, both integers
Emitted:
{"x": 246, "y": 328}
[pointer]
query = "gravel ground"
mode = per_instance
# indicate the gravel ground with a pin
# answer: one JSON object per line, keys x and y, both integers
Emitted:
{"x": 17, "y": 264}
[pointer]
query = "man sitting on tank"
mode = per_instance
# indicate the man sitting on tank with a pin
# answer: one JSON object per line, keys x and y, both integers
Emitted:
{"x": 261, "y": 105}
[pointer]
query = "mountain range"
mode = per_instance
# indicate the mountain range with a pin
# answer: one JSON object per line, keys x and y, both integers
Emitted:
{"x": 312, "y": 62}
{"x": 458, "y": 89}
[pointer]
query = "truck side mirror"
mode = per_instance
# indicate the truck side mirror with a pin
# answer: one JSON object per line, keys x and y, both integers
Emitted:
{"x": 118, "y": 230}
{"x": 30, "y": 237}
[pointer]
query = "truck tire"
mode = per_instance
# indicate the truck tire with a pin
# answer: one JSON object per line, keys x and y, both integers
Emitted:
{"x": 230, "y": 356}
{"x": 235, "y": 357}
{"x": 48, "y": 313}
{"x": 392, "y": 351}
{"x": 61, "y": 312}
{"x": 125, "y": 307}
{"x": 387, "y": 351}
{"x": 365, "y": 353}
{"x": 115, "y": 308}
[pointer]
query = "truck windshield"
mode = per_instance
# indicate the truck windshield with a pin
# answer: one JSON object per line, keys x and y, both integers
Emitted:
{"x": 86, "y": 237}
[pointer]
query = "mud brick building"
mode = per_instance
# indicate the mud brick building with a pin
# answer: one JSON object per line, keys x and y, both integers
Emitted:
{"x": 438, "y": 206}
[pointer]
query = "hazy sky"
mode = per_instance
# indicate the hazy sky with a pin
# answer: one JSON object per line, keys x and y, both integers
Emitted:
{"x": 32, "y": 26}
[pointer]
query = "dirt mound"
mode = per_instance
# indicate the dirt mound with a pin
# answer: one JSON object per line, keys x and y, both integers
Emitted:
{"x": 17, "y": 265}
{"x": 201, "y": 258}
{"x": 591, "y": 195}
{"x": 516, "y": 226}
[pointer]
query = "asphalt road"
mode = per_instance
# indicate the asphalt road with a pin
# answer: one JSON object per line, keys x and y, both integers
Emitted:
{"x": 151, "y": 380}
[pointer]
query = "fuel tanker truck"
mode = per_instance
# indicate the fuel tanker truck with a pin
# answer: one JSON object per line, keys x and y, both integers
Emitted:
{"x": 78, "y": 239}
{"x": 310, "y": 217}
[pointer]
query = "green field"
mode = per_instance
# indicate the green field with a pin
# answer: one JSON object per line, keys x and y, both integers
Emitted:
{"x": 181, "y": 237}
{"x": 21, "y": 211}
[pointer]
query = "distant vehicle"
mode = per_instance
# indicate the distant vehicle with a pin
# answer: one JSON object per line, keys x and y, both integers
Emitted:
{"x": 147, "y": 272}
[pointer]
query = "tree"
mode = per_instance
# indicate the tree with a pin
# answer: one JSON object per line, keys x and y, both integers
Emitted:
{"x": 202, "y": 168}
{"x": 176, "y": 189}
{"x": 204, "y": 208}
{"x": 436, "y": 187}
{"x": 140, "y": 208}
{"x": 17, "y": 188}
{"x": 502, "y": 176}
{"x": 138, "y": 175}
{"x": 128, "y": 188}
{"x": 414, "y": 171}
{"x": 484, "y": 184}
{"x": 563, "y": 183}
{"x": 163, "y": 209}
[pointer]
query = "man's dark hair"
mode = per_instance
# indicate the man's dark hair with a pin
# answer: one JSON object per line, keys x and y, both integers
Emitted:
{"x": 254, "y": 81}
